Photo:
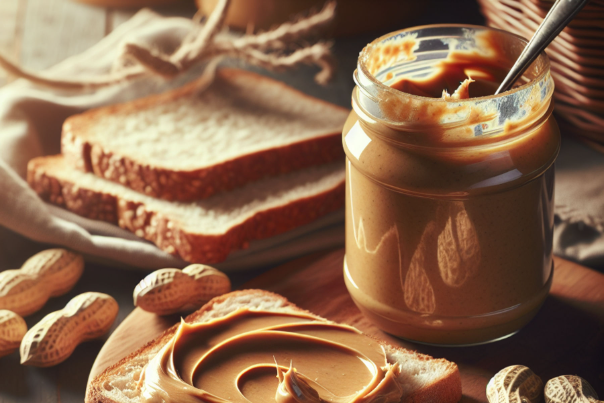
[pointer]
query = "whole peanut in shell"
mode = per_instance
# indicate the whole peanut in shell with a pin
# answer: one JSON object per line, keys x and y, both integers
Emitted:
{"x": 12, "y": 330}
{"x": 515, "y": 384}
{"x": 168, "y": 291}
{"x": 47, "y": 274}
{"x": 569, "y": 389}
{"x": 53, "y": 339}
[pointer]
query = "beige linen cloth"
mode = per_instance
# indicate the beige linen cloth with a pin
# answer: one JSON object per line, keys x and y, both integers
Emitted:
{"x": 30, "y": 125}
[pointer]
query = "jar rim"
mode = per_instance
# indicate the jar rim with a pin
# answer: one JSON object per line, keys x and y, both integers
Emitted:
{"x": 381, "y": 86}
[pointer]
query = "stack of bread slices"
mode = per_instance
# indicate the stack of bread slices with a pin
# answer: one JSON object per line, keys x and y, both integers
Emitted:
{"x": 201, "y": 172}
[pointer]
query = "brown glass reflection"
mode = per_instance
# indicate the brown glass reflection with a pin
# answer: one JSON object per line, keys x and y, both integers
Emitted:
{"x": 418, "y": 292}
{"x": 458, "y": 248}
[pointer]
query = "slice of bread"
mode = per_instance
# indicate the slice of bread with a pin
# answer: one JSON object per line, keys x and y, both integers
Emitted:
{"x": 204, "y": 231}
{"x": 187, "y": 145}
{"x": 423, "y": 378}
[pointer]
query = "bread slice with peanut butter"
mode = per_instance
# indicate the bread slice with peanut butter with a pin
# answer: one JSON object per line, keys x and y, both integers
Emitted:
{"x": 406, "y": 377}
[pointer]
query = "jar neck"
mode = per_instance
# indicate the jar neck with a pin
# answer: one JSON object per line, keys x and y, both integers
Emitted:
{"x": 420, "y": 121}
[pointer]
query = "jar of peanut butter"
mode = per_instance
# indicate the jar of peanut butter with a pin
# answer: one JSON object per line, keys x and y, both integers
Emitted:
{"x": 449, "y": 189}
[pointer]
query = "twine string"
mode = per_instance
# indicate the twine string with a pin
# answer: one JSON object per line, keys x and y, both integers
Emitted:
{"x": 268, "y": 50}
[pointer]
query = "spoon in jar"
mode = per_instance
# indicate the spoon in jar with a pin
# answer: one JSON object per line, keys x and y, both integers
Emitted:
{"x": 558, "y": 17}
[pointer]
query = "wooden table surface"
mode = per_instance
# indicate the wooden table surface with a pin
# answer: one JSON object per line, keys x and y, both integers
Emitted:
{"x": 40, "y": 33}
{"x": 566, "y": 336}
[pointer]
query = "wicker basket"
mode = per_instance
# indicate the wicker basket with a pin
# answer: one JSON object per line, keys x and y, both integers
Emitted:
{"x": 577, "y": 59}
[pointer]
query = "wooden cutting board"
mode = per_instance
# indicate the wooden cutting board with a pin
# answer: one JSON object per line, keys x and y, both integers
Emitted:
{"x": 566, "y": 337}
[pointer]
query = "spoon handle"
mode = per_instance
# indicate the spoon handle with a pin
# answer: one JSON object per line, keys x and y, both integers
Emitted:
{"x": 561, "y": 13}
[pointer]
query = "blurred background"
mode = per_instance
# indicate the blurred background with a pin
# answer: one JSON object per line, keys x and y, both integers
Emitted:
{"x": 40, "y": 33}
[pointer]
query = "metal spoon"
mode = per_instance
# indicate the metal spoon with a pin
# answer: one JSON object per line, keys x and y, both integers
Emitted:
{"x": 561, "y": 13}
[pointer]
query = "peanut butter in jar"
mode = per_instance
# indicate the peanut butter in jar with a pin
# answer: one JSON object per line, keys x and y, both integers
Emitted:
{"x": 449, "y": 191}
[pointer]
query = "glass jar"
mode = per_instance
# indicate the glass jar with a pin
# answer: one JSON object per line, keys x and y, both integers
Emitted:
{"x": 449, "y": 203}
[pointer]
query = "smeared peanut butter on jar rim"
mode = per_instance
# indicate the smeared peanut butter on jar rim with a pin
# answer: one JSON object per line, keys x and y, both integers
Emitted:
{"x": 449, "y": 201}
{"x": 262, "y": 356}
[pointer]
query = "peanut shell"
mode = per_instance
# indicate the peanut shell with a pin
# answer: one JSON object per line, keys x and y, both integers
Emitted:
{"x": 515, "y": 384}
{"x": 53, "y": 339}
{"x": 569, "y": 389}
{"x": 12, "y": 330}
{"x": 47, "y": 274}
{"x": 168, "y": 291}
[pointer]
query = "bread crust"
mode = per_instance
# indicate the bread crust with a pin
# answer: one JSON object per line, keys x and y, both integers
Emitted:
{"x": 169, "y": 235}
{"x": 187, "y": 185}
{"x": 447, "y": 389}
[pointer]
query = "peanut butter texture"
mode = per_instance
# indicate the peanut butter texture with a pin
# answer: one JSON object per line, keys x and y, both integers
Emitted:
{"x": 261, "y": 356}
{"x": 448, "y": 234}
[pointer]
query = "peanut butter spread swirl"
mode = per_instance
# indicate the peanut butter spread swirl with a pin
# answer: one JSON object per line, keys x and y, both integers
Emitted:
{"x": 261, "y": 356}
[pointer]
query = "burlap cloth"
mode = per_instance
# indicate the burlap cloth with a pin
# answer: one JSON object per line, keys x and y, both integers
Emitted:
{"x": 30, "y": 126}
